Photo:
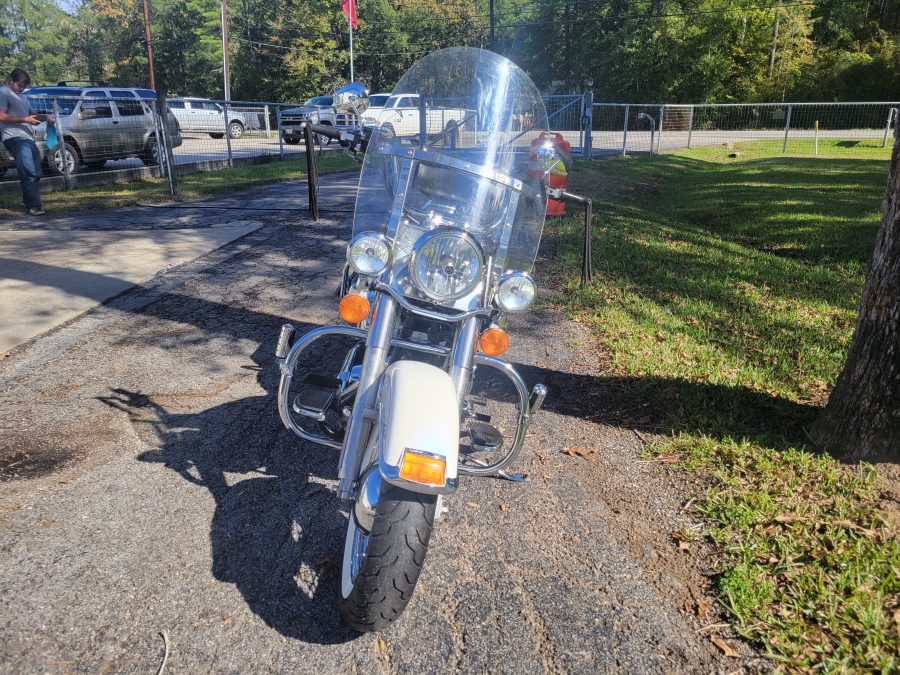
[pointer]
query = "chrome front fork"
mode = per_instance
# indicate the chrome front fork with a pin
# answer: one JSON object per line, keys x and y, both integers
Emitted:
{"x": 378, "y": 343}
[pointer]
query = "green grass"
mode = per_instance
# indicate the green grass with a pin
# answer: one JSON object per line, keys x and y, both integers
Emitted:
{"x": 726, "y": 291}
{"x": 190, "y": 187}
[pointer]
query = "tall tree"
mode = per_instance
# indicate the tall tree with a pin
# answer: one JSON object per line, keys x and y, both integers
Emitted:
{"x": 862, "y": 417}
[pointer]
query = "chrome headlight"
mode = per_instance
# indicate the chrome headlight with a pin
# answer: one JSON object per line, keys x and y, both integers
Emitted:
{"x": 516, "y": 292}
{"x": 446, "y": 264}
{"x": 369, "y": 253}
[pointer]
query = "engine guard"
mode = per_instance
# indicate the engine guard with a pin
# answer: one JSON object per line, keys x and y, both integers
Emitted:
{"x": 418, "y": 413}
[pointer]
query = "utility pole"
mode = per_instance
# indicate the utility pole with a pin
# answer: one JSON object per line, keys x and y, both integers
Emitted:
{"x": 149, "y": 46}
{"x": 492, "y": 25}
{"x": 225, "y": 68}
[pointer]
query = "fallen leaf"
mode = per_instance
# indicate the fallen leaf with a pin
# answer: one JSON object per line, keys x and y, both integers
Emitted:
{"x": 669, "y": 391}
{"x": 684, "y": 546}
{"x": 226, "y": 620}
{"x": 850, "y": 525}
{"x": 703, "y": 608}
{"x": 726, "y": 648}
{"x": 790, "y": 518}
{"x": 541, "y": 457}
{"x": 382, "y": 645}
{"x": 504, "y": 507}
{"x": 327, "y": 565}
{"x": 66, "y": 481}
{"x": 576, "y": 539}
{"x": 46, "y": 523}
{"x": 584, "y": 453}
{"x": 688, "y": 607}
{"x": 311, "y": 491}
{"x": 644, "y": 419}
{"x": 473, "y": 505}
{"x": 4, "y": 355}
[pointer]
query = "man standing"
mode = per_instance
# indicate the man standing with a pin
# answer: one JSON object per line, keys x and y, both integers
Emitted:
{"x": 16, "y": 119}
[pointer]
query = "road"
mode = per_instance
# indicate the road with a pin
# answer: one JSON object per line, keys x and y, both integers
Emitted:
{"x": 149, "y": 485}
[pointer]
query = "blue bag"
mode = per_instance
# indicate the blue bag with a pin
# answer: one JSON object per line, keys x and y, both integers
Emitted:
{"x": 52, "y": 139}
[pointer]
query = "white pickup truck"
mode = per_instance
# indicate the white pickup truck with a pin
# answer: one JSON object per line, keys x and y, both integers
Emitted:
{"x": 400, "y": 116}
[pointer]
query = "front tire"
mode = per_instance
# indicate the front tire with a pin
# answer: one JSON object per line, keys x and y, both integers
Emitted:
{"x": 380, "y": 570}
{"x": 61, "y": 155}
{"x": 235, "y": 130}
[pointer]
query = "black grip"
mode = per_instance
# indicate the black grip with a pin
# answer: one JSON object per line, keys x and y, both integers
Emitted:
{"x": 325, "y": 130}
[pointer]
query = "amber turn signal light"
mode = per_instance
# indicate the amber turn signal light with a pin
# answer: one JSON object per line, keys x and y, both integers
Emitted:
{"x": 494, "y": 342}
{"x": 423, "y": 468}
{"x": 354, "y": 308}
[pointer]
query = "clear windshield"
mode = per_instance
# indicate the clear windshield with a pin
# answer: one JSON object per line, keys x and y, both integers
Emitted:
{"x": 451, "y": 152}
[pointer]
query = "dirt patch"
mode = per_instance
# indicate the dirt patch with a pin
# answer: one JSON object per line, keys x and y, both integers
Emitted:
{"x": 39, "y": 451}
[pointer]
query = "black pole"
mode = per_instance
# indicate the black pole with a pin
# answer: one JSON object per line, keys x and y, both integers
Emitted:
{"x": 312, "y": 175}
{"x": 492, "y": 25}
{"x": 587, "y": 274}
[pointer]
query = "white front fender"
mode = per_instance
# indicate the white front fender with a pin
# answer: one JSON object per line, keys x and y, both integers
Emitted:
{"x": 418, "y": 411}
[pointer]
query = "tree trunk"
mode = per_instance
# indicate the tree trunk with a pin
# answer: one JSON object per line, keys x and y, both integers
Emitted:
{"x": 862, "y": 418}
{"x": 774, "y": 42}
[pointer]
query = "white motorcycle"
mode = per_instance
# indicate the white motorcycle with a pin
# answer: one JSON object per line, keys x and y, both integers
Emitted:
{"x": 446, "y": 229}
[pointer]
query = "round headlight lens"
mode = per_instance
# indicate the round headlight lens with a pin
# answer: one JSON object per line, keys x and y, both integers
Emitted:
{"x": 446, "y": 265}
{"x": 516, "y": 292}
{"x": 369, "y": 253}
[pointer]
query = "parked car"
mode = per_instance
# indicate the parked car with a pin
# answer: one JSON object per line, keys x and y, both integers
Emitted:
{"x": 317, "y": 110}
{"x": 205, "y": 116}
{"x": 376, "y": 105}
{"x": 400, "y": 116}
{"x": 98, "y": 124}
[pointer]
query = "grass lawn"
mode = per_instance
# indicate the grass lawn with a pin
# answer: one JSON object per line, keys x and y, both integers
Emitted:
{"x": 726, "y": 292}
{"x": 190, "y": 186}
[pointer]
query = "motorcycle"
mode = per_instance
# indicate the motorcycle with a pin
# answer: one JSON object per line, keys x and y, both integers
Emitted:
{"x": 448, "y": 220}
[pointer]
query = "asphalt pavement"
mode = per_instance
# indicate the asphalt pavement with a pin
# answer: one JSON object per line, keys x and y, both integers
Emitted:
{"x": 148, "y": 485}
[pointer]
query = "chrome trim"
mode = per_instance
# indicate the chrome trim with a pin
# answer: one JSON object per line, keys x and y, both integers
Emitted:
{"x": 367, "y": 500}
{"x": 378, "y": 343}
{"x": 524, "y": 416}
{"x": 515, "y": 275}
{"x": 423, "y": 241}
{"x": 418, "y": 346}
{"x": 441, "y": 159}
{"x": 287, "y": 373}
{"x": 537, "y": 397}
{"x": 386, "y": 242}
{"x": 284, "y": 339}
{"x": 409, "y": 307}
{"x": 463, "y": 358}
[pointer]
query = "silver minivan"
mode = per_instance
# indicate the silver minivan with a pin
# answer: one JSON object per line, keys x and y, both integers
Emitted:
{"x": 99, "y": 124}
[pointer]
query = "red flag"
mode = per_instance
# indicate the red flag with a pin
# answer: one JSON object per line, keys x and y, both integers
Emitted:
{"x": 349, "y": 7}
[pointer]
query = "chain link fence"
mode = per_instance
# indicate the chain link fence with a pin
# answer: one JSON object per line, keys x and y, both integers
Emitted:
{"x": 114, "y": 134}
{"x": 790, "y": 127}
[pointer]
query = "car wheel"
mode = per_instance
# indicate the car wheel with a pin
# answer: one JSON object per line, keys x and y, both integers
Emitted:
{"x": 236, "y": 129}
{"x": 292, "y": 141}
{"x": 61, "y": 156}
{"x": 153, "y": 152}
{"x": 217, "y": 136}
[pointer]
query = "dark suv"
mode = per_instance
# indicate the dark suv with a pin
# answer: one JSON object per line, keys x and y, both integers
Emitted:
{"x": 99, "y": 124}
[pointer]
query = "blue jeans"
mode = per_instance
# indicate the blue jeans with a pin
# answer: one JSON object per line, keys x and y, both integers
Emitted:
{"x": 28, "y": 164}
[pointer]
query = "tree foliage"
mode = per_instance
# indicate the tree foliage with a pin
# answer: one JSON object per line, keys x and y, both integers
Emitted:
{"x": 635, "y": 50}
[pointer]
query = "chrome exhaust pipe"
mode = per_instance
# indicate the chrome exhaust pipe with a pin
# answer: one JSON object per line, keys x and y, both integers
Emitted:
{"x": 537, "y": 398}
{"x": 285, "y": 338}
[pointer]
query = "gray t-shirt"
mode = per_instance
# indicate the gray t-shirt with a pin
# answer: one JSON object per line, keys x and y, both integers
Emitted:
{"x": 18, "y": 106}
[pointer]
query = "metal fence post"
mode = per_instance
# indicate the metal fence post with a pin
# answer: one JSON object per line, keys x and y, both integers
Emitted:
{"x": 787, "y": 128}
{"x": 163, "y": 137}
{"x": 625, "y": 131}
{"x": 280, "y": 135}
{"x": 662, "y": 111}
{"x": 690, "y": 126}
{"x": 892, "y": 113}
{"x": 268, "y": 126}
{"x": 63, "y": 153}
{"x": 588, "y": 125}
{"x": 228, "y": 134}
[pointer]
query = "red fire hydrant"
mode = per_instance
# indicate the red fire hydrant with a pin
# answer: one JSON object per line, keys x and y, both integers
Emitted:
{"x": 559, "y": 175}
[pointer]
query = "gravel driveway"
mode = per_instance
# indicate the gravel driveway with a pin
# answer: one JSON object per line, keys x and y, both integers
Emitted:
{"x": 149, "y": 484}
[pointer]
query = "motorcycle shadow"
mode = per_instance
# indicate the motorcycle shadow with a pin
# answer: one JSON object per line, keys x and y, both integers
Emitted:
{"x": 276, "y": 532}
